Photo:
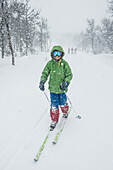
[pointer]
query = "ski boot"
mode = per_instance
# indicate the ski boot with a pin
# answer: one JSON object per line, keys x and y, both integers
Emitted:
{"x": 65, "y": 115}
{"x": 53, "y": 125}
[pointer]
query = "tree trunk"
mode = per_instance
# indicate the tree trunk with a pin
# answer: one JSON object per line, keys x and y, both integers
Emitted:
{"x": 92, "y": 45}
{"x": 9, "y": 40}
{"x": 26, "y": 49}
{"x": 2, "y": 45}
{"x": 5, "y": 15}
{"x": 2, "y": 34}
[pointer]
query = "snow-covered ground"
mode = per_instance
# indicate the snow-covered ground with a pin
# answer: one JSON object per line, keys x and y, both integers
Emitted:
{"x": 85, "y": 144}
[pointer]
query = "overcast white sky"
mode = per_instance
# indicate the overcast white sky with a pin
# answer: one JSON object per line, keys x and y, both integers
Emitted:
{"x": 70, "y": 15}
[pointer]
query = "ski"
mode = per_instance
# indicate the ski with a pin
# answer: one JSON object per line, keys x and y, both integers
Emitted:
{"x": 41, "y": 148}
{"x": 61, "y": 129}
{"x": 62, "y": 125}
{"x": 59, "y": 132}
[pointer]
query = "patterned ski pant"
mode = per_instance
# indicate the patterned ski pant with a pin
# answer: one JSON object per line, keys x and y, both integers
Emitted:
{"x": 56, "y": 101}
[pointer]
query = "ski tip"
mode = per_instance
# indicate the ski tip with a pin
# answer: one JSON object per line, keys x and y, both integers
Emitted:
{"x": 35, "y": 159}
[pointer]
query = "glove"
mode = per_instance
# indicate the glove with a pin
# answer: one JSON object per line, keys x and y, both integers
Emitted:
{"x": 64, "y": 86}
{"x": 41, "y": 85}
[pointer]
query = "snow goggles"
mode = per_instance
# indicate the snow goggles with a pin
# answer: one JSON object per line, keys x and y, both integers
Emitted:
{"x": 57, "y": 53}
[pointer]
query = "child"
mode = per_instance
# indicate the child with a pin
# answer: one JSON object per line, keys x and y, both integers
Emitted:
{"x": 60, "y": 77}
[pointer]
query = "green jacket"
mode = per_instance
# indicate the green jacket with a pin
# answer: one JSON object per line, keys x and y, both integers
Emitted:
{"x": 59, "y": 71}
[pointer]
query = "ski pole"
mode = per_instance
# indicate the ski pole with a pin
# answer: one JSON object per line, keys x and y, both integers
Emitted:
{"x": 78, "y": 116}
{"x": 46, "y": 97}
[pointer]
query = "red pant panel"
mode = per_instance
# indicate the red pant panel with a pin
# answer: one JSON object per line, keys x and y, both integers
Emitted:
{"x": 64, "y": 108}
{"x": 54, "y": 114}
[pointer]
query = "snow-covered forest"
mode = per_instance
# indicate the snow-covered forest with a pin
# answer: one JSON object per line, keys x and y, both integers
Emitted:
{"x": 21, "y": 29}
{"x": 97, "y": 38}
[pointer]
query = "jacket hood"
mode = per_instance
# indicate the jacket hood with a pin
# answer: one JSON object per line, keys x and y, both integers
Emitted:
{"x": 58, "y": 48}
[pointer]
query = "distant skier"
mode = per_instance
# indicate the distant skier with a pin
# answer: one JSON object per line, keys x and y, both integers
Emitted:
{"x": 60, "y": 77}
{"x": 69, "y": 50}
{"x": 75, "y": 50}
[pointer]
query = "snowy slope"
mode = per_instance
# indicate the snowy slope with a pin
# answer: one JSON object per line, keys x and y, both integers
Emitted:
{"x": 85, "y": 144}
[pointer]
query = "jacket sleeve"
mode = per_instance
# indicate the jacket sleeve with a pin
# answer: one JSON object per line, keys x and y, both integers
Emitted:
{"x": 45, "y": 72}
{"x": 68, "y": 73}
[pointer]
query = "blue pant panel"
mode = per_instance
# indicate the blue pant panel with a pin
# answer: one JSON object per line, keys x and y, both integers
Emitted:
{"x": 58, "y": 99}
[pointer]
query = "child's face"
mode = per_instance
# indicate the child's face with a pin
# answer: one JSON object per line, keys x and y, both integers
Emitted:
{"x": 57, "y": 57}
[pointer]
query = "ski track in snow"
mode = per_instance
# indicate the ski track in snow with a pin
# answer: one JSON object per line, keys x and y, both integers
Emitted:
{"x": 84, "y": 144}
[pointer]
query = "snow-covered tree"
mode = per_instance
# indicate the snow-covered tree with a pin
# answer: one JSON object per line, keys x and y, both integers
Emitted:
{"x": 1, "y": 29}
{"x": 21, "y": 28}
{"x": 83, "y": 42}
{"x": 98, "y": 38}
{"x": 24, "y": 21}
{"x": 43, "y": 35}
{"x": 5, "y": 27}
{"x": 110, "y": 7}
{"x": 91, "y": 33}
{"x": 107, "y": 33}
{"x": 30, "y": 22}
{"x": 17, "y": 13}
